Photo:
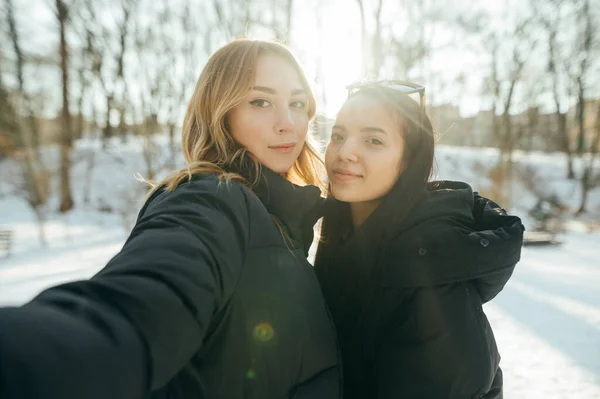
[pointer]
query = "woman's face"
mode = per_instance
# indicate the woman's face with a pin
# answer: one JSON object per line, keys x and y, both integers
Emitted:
{"x": 272, "y": 122}
{"x": 364, "y": 156}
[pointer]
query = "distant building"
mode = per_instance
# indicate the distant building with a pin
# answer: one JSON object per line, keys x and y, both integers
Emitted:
{"x": 534, "y": 130}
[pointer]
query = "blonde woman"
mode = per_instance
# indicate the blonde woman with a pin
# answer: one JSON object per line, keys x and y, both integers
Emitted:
{"x": 211, "y": 295}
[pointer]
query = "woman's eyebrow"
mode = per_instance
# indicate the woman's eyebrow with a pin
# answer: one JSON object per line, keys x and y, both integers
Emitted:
{"x": 372, "y": 129}
{"x": 270, "y": 90}
{"x": 265, "y": 89}
{"x": 365, "y": 129}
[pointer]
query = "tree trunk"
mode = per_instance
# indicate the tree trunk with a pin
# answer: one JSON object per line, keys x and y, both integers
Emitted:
{"x": 87, "y": 184}
{"x": 583, "y": 69}
{"x": 587, "y": 178}
{"x": 80, "y": 126}
{"x": 28, "y": 135}
{"x": 66, "y": 202}
{"x": 580, "y": 115}
{"x": 128, "y": 9}
{"x": 36, "y": 188}
{"x": 496, "y": 89}
{"x": 506, "y": 148}
{"x": 507, "y": 137}
{"x": 107, "y": 132}
{"x": 288, "y": 22}
{"x": 377, "y": 43}
{"x": 15, "y": 42}
{"x": 122, "y": 125}
{"x": 34, "y": 173}
{"x": 561, "y": 119}
{"x": 41, "y": 222}
{"x": 363, "y": 39}
{"x": 320, "y": 76}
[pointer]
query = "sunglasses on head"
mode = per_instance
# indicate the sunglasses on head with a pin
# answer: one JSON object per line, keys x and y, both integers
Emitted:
{"x": 407, "y": 88}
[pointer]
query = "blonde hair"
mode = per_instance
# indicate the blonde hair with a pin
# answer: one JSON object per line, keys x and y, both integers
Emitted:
{"x": 224, "y": 83}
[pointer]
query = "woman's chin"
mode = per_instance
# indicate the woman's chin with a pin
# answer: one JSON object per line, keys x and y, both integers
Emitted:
{"x": 343, "y": 195}
{"x": 278, "y": 167}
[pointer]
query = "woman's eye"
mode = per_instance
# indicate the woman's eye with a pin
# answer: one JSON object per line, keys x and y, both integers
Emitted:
{"x": 336, "y": 137}
{"x": 260, "y": 103}
{"x": 298, "y": 104}
{"x": 375, "y": 141}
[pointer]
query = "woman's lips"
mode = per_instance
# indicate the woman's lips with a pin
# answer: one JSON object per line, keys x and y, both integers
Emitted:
{"x": 284, "y": 148}
{"x": 345, "y": 175}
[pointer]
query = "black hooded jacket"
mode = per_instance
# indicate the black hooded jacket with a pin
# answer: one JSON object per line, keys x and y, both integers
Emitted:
{"x": 205, "y": 300}
{"x": 407, "y": 297}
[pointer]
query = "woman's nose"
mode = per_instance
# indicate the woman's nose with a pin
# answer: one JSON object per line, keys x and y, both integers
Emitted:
{"x": 285, "y": 120}
{"x": 347, "y": 151}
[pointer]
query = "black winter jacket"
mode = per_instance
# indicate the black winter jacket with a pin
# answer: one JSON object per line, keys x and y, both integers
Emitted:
{"x": 407, "y": 301}
{"x": 205, "y": 300}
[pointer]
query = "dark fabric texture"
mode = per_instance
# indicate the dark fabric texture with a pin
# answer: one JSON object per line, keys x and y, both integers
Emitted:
{"x": 406, "y": 295}
{"x": 205, "y": 300}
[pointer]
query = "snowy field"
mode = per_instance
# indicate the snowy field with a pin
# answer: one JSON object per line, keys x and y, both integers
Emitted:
{"x": 546, "y": 321}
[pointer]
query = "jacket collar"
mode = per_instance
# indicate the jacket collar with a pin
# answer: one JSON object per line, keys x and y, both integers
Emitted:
{"x": 297, "y": 207}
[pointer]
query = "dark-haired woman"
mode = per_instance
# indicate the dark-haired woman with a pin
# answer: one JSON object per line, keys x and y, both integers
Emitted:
{"x": 405, "y": 263}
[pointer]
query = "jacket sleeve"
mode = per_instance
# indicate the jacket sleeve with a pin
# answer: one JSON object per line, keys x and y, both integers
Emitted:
{"x": 434, "y": 346}
{"x": 484, "y": 251}
{"x": 135, "y": 324}
{"x": 494, "y": 224}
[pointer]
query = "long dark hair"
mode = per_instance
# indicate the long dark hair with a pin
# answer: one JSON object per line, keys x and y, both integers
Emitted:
{"x": 390, "y": 217}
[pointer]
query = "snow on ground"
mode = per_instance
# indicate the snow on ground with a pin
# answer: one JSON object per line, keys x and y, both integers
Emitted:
{"x": 546, "y": 321}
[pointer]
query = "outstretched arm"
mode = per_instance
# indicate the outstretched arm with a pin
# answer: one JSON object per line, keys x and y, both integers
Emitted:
{"x": 135, "y": 324}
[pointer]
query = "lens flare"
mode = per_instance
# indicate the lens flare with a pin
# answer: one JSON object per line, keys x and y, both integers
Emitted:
{"x": 263, "y": 332}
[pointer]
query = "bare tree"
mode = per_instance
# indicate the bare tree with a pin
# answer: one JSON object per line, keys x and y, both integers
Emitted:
{"x": 552, "y": 23}
{"x": 30, "y": 134}
{"x": 509, "y": 50}
{"x": 518, "y": 45}
{"x": 159, "y": 90}
{"x": 107, "y": 46}
{"x": 584, "y": 55}
{"x": 9, "y": 137}
{"x": 413, "y": 46}
{"x": 235, "y": 18}
{"x": 181, "y": 84}
{"x": 66, "y": 198}
{"x": 589, "y": 180}
{"x": 289, "y": 9}
{"x": 494, "y": 83}
{"x": 88, "y": 68}
{"x": 363, "y": 38}
{"x": 371, "y": 44}
{"x": 320, "y": 75}
{"x": 519, "y": 58}
{"x": 399, "y": 46}
{"x": 377, "y": 42}
{"x": 35, "y": 175}
{"x": 508, "y": 138}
